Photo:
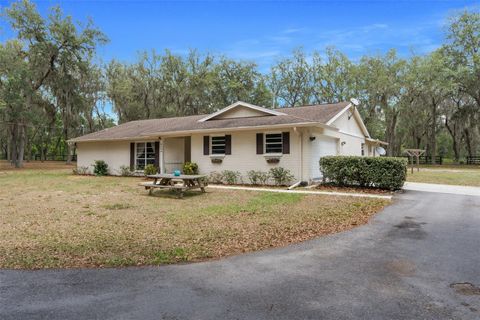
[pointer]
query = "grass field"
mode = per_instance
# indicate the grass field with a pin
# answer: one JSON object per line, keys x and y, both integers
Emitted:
{"x": 453, "y": 175}
{"x": 51, "y": 218}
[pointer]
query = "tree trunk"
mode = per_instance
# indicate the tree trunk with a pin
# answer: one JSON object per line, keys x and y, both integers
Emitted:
{"x": 390, "y": 134}
{"x": 67, "y": 146}
{"x": 433, "y": 136}
{"x": 468, "y": 142}
{"x": 21, "y": 146}
{"x": 9, "y": 148}
{"x": 456, "y": 153}
{"x": 453, "y": 134}
{"x": 28, "y": 147}
{"x": 57, "y": 145}
{"x": 13, "y": 144}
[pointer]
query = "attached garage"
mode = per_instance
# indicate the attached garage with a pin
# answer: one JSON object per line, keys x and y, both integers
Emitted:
{"x": 320, "y": 147}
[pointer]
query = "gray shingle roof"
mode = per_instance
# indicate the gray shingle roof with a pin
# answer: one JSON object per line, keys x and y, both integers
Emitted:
{"x": 147, "y": 128}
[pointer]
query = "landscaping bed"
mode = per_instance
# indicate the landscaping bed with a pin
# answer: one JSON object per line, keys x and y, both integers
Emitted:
{"x": 366, "y": 190}
{"x": 52, "y": 219}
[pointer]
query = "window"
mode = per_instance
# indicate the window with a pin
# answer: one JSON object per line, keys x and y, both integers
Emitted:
{"x": 273, "y": 143}
{"x": 363, "y": 149}
{"x": 145, "y": 154}
{"x": 218, "y": 145}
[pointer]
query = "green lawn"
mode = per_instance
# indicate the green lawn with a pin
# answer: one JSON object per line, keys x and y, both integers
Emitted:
{"x": 454, "y": 175}
{"x": 51, "y": 218}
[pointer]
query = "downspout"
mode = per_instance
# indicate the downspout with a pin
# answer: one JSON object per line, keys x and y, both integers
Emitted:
{"x": 301, "y": 151}
{"x": 301, "y": 155}
{"x": 162, "y": 164}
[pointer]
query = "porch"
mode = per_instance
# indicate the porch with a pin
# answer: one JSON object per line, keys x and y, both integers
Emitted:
{"x": 167, "y": 154}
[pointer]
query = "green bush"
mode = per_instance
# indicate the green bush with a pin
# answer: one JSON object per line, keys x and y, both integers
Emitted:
{"x": 100, "y": 168}
{"x": 257, "y": 177}
{"x": 263, "y": 177}
{"x": 215, "y": 177}
{"x": 125, "y": 171}
{"x": 281, "y": 176}
{"x": 377, "y": 172}
{"x": 150, "y": 169}
{"x": 190, "y": 168}
{"x": 231, "y": 177}
{"x": 80, "y": 171}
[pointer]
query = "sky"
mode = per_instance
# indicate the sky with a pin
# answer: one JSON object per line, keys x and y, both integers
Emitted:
{"x": 261, "y": 31}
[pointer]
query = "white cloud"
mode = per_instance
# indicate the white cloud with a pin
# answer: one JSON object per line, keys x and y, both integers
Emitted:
{"x": 375, "y": 37}
{"x": 294, "y": 30}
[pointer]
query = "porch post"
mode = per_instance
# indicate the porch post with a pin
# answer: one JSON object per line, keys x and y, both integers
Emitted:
{"x": 162, "y": 164}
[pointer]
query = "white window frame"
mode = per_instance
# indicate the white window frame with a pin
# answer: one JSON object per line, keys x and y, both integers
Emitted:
{"x": 146, "y": 158}
{"x": 265, "y": 143}
{"x": 224, "y": 145}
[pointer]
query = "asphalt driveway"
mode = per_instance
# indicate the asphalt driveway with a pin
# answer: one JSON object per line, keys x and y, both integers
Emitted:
{"x": 419, "y": 259}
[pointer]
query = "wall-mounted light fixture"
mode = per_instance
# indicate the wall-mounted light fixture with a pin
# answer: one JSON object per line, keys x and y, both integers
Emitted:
{"x": 350, "y": 115}
{"x": 312, "y": 138}
{"x": 343, "y": 143}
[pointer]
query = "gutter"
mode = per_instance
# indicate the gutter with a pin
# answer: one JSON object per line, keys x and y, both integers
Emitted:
{"x": 377, "y": 141}
{"x": 183, "y": 133}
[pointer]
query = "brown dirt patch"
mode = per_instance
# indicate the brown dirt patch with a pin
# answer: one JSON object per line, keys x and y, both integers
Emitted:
{"x": 465, "y": 288}
{"x": 37, "y": 165}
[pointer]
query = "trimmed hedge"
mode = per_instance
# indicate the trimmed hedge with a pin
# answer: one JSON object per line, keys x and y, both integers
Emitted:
{"x": 377, "y": 172}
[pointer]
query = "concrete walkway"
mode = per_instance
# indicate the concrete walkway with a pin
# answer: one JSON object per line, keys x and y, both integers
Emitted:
{"x": 442, "y": 188}
{"x": 346, "y": 194}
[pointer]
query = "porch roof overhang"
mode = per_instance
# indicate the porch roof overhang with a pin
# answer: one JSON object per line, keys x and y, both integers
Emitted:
{"x": 167, "y": 134}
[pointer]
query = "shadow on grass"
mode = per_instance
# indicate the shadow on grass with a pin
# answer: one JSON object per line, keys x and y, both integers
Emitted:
{"x": 171, "y": 194}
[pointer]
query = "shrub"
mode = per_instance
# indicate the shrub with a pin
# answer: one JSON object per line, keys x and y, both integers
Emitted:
{"x": 281, "y": 176}
{"x": 252, "y": 176}
{"x": 80, "y": 170}
{"x": 150, "y": 169}
{"x": 125, "y": 171}
{"x": 257, "y": 177}
{"x": 231, "y": 177}
{"x": 100, "y": 168}
{"x": 190, "y": 168}
{"x": 215, "y": 177}
{"x": 263, "y": 177}
{"x": 378, "y": 172}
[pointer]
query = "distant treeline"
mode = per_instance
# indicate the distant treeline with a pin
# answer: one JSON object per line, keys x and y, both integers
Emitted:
{"x": 52, "y": 90}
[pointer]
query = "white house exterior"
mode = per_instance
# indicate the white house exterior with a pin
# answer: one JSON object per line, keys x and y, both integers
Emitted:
{"x": 240, "y": 137}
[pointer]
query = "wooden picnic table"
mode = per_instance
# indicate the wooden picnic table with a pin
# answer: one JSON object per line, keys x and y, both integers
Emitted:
{"x": 179, "y": 184}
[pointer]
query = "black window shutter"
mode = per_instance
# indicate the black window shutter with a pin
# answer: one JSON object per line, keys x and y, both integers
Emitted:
{"x": 157, "y": 155}
{"x": 259, "y": 143}
{"x": 228, "y": 144}
{"x": 286, "y": 142}
{"x": 132, "y": 156}
{"x": 206, "y": 145}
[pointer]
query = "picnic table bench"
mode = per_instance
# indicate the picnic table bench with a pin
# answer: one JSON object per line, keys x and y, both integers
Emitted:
{"x": 179, "y": 184}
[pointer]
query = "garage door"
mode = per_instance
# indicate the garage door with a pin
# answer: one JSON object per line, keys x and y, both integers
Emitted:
{"x": 320, "y": 147}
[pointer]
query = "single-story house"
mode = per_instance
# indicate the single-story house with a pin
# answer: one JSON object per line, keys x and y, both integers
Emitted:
{"x": 240, "y": 137}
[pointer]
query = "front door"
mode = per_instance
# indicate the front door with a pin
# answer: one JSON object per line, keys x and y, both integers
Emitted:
{"x": 173, "y": 154}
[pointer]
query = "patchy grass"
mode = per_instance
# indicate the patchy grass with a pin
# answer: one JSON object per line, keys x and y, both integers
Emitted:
{"x": 463, "y": 176}
{"x": 29, "y": 165}
{"x": 52, "y": 219}
{"x": 117, "y": 206}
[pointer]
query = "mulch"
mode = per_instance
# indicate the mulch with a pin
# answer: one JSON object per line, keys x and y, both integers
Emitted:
{"x": 331, "y": 188}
